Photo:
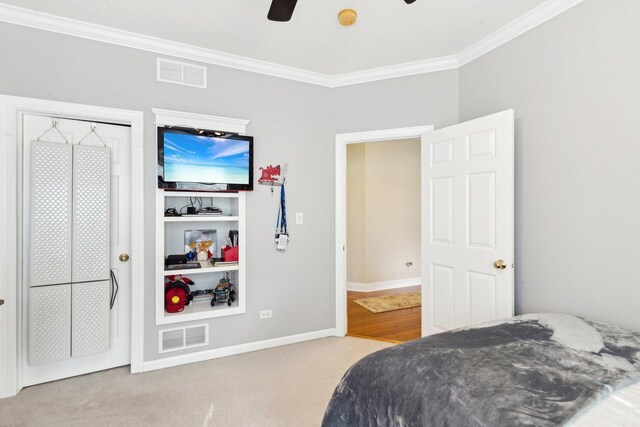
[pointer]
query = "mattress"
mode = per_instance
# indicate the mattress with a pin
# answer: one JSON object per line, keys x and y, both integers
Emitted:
{"x": 621, "y": 408}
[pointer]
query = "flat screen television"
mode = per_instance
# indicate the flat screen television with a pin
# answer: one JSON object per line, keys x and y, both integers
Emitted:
{"x": 190, "y": 159}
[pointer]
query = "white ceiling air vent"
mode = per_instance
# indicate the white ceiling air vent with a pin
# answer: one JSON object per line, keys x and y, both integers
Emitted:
{"x": 181, "y": 73}
{"x": 183, "y": 338}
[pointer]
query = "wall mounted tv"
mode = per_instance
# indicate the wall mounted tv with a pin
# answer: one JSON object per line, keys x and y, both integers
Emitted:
{"x": 201, "y": 160}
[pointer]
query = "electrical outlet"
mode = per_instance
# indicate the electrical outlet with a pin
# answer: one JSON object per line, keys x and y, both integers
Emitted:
{"x": 299, "y": 218}
{"x": 265, "y": 314}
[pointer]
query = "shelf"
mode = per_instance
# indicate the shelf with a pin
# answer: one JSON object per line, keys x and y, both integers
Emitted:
{"x": 170, "y": 239}
{"x": 202, "y": 310}
{"x": 200, "y": 218}
{"x": 202, "y": 270}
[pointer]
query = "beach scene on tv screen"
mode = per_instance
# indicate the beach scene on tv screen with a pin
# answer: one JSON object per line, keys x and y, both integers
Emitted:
{"x": 194, "y": 158}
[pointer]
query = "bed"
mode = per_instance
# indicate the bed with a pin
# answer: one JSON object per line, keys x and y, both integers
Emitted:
{"x": 532, "y": 370}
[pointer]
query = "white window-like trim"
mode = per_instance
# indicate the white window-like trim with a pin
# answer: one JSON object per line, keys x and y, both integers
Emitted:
{"x": 200, "y": 121}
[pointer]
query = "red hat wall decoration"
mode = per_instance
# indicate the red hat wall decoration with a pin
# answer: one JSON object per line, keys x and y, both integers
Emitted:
{"x": 273, "y": 176}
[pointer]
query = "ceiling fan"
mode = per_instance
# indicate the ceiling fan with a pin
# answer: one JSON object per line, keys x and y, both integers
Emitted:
{"x": 282, "y": 10}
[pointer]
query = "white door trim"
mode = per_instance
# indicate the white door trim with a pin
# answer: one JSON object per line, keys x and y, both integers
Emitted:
{"x": 11, "y": 109}
{"x": 342, "y": 140}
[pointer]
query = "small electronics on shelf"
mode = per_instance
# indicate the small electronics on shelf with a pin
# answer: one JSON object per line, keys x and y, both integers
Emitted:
{"x": 179, "y": 262}
{"x": 175, "y": 259}
{"x": 172, "y": 212}
{"x": 204, "y": 160}
{"x": 186, "y": 266}
{"x": 211, "y": 210}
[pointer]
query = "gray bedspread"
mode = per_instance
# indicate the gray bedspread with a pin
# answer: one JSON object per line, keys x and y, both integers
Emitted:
{"x": 532, "y": 370}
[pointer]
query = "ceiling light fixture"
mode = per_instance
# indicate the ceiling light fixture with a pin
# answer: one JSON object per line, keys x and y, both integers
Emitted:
{"x": 347, "y": 17}
{"x": 282, "y": 10}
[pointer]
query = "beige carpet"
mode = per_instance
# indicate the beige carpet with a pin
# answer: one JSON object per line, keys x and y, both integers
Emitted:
{"x": 283, "y": 386}
{"x": 391, "y": 302}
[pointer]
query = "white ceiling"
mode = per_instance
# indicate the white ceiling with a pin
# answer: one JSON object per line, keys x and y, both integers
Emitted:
{"x": 388, "y": 32}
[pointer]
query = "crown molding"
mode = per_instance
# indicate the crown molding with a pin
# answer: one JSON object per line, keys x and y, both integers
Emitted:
{"x": 394, "y": 71}
{"x": 71, "y": 27}
{"x": 526, "y": 22}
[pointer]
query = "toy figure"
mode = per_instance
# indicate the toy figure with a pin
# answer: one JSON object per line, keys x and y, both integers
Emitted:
{"x": 224, "y": 292}
{"x": 202, "y": 249}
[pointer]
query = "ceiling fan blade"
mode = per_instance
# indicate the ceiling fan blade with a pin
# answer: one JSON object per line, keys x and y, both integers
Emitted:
{"x": 281, "y": 10}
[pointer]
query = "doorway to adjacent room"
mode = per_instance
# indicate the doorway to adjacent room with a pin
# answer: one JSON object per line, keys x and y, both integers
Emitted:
{"x": 383, "y": 240}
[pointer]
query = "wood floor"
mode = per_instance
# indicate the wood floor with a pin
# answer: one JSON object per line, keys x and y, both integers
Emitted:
{"x": 395, "y": 326}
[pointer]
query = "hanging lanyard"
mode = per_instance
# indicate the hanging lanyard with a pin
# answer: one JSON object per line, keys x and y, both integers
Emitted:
{"x": 281, "y": 222}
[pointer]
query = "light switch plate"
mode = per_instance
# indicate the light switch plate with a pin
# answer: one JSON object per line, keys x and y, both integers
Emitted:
{"x": 299, "y": 218}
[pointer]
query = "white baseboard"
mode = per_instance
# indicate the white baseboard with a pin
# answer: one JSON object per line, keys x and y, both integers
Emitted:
{"x": 236, "y": 349}
{"x": 381, "y": 286}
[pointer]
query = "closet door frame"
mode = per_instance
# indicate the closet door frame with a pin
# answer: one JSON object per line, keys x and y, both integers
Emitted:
{"x": 12, "y": 110}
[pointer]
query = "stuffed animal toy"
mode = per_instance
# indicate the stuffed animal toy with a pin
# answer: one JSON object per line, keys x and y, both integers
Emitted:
{"x": 177, "y": 294}
{"x": 202, "y": 249}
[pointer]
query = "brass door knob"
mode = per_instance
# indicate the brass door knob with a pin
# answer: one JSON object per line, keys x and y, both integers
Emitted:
{"x": 1, "y": 301}
{"x": 500, "y": 264}
{"x": 124, "y": 257}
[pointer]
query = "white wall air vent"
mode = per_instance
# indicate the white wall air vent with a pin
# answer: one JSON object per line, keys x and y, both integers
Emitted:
{"x": 181, "y": 73}
{"x": 183, "y": 338}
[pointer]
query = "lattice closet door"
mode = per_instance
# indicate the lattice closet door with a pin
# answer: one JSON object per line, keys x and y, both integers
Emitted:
{"x": 90, "y": 318}
{"x": 91, "y": 219}
{"x": 69, "y": 251}
{"x": 49, "y": 323}
{"x": 51, "y": 204}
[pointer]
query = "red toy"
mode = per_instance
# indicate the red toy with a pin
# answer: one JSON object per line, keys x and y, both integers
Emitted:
{"x": 177, "y": 294}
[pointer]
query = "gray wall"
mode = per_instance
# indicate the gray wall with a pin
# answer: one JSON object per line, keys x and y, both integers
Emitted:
{"x": 292, "y": 122}
{"x": 574, "y": 83}
{"x": 427, "y": 99}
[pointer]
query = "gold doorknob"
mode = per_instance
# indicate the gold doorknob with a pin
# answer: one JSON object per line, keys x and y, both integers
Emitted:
{"x": 1, "y": 301}
{"x": 124, "y": 257}
{"x": 500, "y": 264}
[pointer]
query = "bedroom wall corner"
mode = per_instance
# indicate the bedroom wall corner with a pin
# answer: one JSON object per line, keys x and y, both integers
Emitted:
{"x": 574, "y": 85}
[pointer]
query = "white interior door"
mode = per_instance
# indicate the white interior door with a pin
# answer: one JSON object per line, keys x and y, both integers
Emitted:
{"x": 118, "y": 139}
{"x": 468, "y": 223}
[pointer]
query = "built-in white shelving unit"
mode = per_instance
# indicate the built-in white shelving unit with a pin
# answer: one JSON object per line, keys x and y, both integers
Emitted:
{"x": 170, "y": 241}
